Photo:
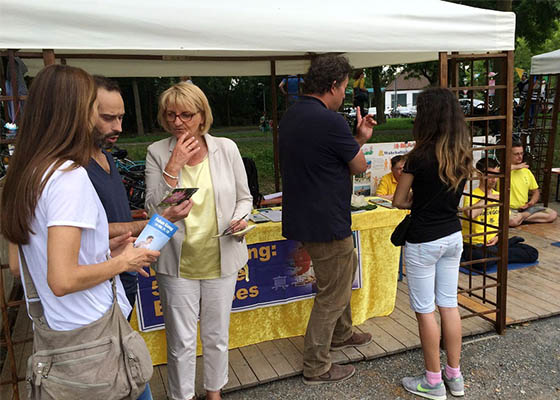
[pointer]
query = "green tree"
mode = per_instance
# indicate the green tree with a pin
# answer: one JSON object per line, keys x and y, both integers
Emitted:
{"x": 428, "y": 70}
{"x": 535, "y": 18}
{"x": 553, "y": 41}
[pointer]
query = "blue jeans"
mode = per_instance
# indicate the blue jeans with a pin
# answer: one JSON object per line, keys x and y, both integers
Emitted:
{"x": 147, "y": 394}
{"x": 432, "y": 271}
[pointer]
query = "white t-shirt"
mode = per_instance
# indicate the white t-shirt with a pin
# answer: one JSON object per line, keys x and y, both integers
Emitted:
{"x": 69, "y": 199}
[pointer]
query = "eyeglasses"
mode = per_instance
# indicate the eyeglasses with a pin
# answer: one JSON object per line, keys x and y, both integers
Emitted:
{"x": 170, "y": 116}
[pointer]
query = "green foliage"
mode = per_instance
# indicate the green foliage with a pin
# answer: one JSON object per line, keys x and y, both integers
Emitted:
{"x": 523, "y": 54}
{"x": 553, "y": 41}
{"x": 536, "y": 21}
{"x": 428, "y": 70}
{"x": 238, "y": 100}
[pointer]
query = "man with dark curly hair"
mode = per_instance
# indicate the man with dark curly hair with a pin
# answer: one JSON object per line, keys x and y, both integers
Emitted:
{"x": 318, "y": 155}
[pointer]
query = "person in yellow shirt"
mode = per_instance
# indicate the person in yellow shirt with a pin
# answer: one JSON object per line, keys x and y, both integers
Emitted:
{"x": 361, "y": 95}
{"x": 525, "y": 192}
{"x": 388, "y": 184}
{"x": 481, "y": 245}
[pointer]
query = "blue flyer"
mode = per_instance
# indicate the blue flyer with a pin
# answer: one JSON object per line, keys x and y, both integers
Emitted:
{"x": 156, "y": 234}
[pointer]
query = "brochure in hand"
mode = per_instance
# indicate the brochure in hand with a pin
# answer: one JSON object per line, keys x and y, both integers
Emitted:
{"x": 156, "y": 234}
{"x": 177, "y": 196}
{"x": 242, "y": 232}
{"x": 230, "y": 230}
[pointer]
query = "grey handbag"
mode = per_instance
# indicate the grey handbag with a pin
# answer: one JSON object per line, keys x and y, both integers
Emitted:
{"x": 105, "y": 359}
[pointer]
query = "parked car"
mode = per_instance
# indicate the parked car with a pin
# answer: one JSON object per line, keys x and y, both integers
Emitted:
{"x": 373, "y": 111}
{"x": 471, "y": 108}
{"x": 406, "y": 112}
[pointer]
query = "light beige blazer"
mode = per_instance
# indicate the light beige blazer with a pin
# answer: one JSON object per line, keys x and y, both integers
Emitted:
{"x": 231, "y": 194}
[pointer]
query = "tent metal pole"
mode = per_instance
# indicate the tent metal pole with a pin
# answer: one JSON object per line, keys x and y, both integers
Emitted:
{"x": 163, "y": 57}
{"x": 274, "y": 96}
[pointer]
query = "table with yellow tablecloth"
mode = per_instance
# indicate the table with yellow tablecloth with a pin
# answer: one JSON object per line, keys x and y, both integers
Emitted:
{"x": 380, "y": 264}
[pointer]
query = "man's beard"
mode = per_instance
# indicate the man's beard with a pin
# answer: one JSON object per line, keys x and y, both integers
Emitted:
{"x": 101, "y": 139}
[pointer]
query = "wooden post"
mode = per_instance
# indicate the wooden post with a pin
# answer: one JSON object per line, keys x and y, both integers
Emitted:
{"x": 501, "y": 293}
{"x": 48, "y": 57}
{"x": 454, "y": 67}
{"x": 5, "y": 328}
{"x": 275, "y": 125}
{"x": 443, "y": 70}
{"x": 551, "y": 139}
{"x": 137, "y": 108}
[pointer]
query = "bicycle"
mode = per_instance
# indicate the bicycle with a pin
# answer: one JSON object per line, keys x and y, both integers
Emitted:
{"x": 132, "y": 173}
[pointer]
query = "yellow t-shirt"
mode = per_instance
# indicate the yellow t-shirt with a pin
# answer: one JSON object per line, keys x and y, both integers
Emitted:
{"x": 200, "y": 253}
{"x": 387, "y": 185}
{"x": 522, "y": 180}
{"x": 360, "y": 83}
{"x": 492, "y": 218}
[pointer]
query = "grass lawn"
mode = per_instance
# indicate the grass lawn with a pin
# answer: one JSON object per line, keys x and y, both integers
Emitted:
{"x": 261, "y": 149}
{"x": 396, "y": 124}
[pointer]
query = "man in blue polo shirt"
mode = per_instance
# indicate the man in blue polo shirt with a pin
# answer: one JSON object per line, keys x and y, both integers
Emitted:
{"x": 106, "y": 179}
{"x": 104, "y": 175}
{"x": 318, "y": 155}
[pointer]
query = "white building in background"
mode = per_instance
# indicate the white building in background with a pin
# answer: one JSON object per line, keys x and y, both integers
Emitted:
{"x": 406, "y": 93}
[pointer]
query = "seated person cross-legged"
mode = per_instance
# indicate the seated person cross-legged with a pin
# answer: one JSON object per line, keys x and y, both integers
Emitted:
{"x": 388, "y": 183}
{"x": 484, "y": 246}
{"x": 525, "y": 193}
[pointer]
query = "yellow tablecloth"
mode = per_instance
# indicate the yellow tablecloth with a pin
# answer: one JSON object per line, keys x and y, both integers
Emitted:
{"x": 380, "y": 263}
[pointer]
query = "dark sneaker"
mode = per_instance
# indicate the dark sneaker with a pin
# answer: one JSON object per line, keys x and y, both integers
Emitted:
{"x": 455, "y": 385}
{"x": 337, "y": 373}
{"x": 420, "y": 387}
{"x": 356, "y": 340}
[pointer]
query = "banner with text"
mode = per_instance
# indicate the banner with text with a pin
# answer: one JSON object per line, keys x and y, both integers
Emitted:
{"x": 378, "y": 158}
{"x": 277, "y": 272}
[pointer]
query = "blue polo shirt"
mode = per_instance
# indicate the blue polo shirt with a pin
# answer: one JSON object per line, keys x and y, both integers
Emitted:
{"x": 110, "y": 189}
{"x": 112, "y": 193}
{"x": 316, "y": 145}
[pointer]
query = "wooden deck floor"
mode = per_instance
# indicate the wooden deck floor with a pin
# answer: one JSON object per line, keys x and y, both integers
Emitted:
{"x": 532, "y": 294}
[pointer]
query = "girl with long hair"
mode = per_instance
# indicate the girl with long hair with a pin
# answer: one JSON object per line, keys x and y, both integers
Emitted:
{"x": 52, "y": 212}
{"x": 436, "y": 170}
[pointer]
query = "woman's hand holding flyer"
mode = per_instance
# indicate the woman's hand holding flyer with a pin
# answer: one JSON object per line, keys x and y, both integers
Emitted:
{"x": 156, "y": 233}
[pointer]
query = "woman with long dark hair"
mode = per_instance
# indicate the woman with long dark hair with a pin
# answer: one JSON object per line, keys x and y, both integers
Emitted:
{"x": 52, "y": 212}
{"x": 436, "y": 170}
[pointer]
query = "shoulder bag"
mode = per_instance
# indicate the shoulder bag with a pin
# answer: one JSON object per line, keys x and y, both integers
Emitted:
{"x": 105, "y": 359}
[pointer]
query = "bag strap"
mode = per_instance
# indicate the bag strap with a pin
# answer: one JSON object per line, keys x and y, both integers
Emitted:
{"x": 33, "y": 300}
{"x": 34, "y": 304}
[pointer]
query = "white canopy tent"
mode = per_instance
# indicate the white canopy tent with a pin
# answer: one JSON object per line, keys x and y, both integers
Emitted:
{"x": 547, "y": 63}
{"x": 225, "y": 38}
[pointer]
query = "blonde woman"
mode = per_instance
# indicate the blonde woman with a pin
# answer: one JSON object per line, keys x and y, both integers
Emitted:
{"x": 196, "y": 272}
{"x": 436, "y": 170}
